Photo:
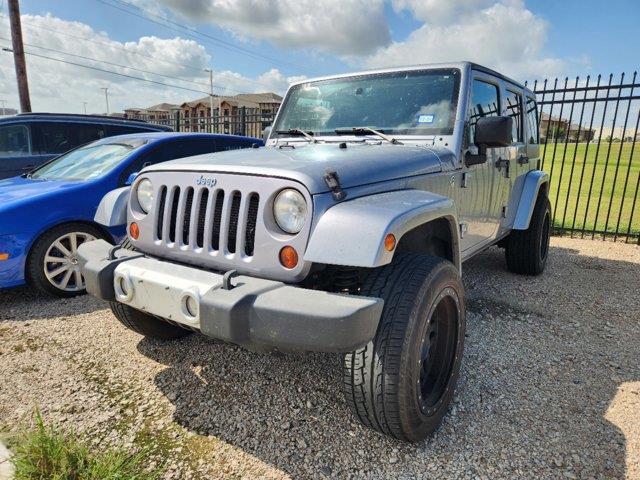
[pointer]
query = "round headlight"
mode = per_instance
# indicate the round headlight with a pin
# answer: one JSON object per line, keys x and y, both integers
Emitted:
{"x": 290, "y": 210}
{"x": 144, "y": 193}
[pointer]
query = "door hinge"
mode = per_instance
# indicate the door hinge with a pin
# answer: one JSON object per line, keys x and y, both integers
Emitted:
{"x": 464, "y": 226}
{"x": 504, "y": 162}
{"x": 464, "y": 183}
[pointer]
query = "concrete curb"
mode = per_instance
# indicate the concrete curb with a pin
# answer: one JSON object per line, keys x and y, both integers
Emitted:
{"x": 6, "y": 467}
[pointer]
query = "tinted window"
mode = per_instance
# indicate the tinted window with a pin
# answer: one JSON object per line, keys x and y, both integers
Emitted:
{"x": 484, "y": 103}
{"x": 514, "y": 110}
{"x": 532, "y": 120}
{"x": 88, "y": 133}
{"x": 122, "y": 130}
{"x": 52, "y": 137}
{"x": 14, "y": 140}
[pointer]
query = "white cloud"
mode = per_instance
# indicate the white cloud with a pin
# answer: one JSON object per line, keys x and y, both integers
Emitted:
{"x": 342, "y": 27}
{"x": 504, "y": 35}
{"x": 59, "y": 87}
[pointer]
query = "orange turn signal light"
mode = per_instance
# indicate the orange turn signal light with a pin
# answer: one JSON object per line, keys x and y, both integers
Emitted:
{"x": 288, "y": 257}
{"x": 389, "y": 242}
{"x": 4, "y": 256}
{"x": 134, "y": 230}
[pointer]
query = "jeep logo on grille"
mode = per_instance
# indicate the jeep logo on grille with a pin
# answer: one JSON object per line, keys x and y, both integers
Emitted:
{"x": 209, "y": 182}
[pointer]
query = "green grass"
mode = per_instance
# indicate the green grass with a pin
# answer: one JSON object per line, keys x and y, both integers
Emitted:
{"x": 44, "y": 452}
{"x": 574, "y": 204}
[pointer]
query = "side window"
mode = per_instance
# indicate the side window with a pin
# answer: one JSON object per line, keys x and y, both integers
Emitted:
{"x": 531, "y": 110}
{"x": 14, "y": 140}
{"x": 88, "y": 133}
{"x": 484, "y": 103}
{"x": 121, "y": 130}
{"x": 514, "y": 110}
{"x": 52, "y": 138}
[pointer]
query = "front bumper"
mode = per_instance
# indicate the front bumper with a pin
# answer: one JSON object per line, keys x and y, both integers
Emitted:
{"x": 255, "y": 312}
{"x": 12, "y": 269}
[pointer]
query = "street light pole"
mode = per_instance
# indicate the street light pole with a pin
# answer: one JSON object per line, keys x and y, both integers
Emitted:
{"x": 84, "y": 104}
{"x": 4, "y": 104}
{"x": 106, "y": 97}
{"x": 210, "y": 94}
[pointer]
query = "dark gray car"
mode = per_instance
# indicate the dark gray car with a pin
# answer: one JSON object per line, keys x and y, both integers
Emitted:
{"x": 29, "y": 140}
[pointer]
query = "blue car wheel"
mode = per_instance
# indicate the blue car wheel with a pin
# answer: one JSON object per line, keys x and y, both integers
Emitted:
{"x": 52, "y": 266}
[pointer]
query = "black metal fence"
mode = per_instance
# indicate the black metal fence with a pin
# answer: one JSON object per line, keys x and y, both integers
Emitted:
{"x": 244, "y": 122}
{"x": 588, "y": 145}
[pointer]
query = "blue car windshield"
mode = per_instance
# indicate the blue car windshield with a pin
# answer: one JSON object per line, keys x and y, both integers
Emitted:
{"x": 90, "y": 161}
{"x": 401, "y": 103}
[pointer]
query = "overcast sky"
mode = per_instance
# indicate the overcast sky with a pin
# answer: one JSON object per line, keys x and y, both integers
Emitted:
{"x": 255, "y": 45}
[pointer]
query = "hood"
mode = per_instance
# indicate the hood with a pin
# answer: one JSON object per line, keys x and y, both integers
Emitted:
{"x": 357, "y": 164}
{"x": 20, "y": 189}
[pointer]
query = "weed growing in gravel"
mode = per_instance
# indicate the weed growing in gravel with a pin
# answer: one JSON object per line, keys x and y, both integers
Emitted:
{"x": 46, "y": 452}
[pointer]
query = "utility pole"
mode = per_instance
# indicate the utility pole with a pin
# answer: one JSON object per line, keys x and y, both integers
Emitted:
{"x": 210, "y": 95}
{"x": 106, "y": 97}
{"x": 18, "y": 56}
{"x": 4, "y": 105}
{"x": 84, "y": 104}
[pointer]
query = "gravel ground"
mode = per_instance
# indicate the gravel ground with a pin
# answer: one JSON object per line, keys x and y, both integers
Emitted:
{"x": 550, "y": 384}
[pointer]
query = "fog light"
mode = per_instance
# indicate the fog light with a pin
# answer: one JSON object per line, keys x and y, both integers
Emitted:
{"x": 134, "y": 230}
{"x": 288, "y": 257}
{"x": 389, "y": 242}
{"x": 123, "y": 287}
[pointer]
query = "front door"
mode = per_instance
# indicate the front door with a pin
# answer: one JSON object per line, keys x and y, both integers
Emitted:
{"x": 482, "y": 197}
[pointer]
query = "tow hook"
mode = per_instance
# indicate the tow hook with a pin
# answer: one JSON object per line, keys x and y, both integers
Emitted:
{"x": 226, "y": 279}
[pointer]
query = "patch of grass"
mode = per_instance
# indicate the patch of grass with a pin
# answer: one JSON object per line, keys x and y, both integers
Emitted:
{"x": 589, "y": 192}
{"x": 45, "y": 452}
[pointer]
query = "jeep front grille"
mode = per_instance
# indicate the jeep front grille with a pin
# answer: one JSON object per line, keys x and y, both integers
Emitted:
{"x": 189, "y": 216}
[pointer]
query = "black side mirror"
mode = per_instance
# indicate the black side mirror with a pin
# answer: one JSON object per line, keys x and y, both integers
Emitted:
{"x": 490, "y": 132}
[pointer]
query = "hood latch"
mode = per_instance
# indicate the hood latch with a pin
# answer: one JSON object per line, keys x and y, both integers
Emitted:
{"x": 333, "y": 182}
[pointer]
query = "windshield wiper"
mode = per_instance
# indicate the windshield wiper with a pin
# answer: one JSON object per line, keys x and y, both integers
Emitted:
{"x": 365, "y": 131}
{"x": 299, "y": 133}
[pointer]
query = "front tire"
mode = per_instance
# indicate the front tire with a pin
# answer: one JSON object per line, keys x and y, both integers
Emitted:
{"x": 52, "y": 265}
{"x": 527, "y": 250}
{"x": 402, "y": 382}
{"x": 145, "y": 324}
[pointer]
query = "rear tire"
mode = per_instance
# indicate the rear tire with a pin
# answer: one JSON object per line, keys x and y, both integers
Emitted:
{"x": 527, "y": 250}
{"x": 145, "y": 324}
{"x": 402, "y": 382}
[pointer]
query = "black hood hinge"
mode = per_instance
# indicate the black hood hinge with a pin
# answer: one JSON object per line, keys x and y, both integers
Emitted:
{"x": 333, "y": 182}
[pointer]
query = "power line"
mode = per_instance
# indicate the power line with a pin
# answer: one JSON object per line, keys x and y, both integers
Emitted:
{"x": 6, "y": 49}
{"x": 194, "y": 33}
{"x": 130, "y": 52}
{"x": 124, "y": 66}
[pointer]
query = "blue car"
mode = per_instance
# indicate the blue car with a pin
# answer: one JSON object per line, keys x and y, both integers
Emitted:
{"x": 46, "y": 214}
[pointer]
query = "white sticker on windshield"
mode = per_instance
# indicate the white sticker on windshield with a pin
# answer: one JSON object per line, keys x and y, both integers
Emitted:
{"x": 426, "y": 118}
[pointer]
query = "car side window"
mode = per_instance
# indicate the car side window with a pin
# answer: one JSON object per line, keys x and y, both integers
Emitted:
{"x": 52, "y": 137}
{"x": 88, "y": 133}
{"x": 514, "y": 110}
{"x": 122, "y": 130}
{"x": 485, "y": 102}
{"x": 14, "y": 141}
{"x": 531, "y": 110}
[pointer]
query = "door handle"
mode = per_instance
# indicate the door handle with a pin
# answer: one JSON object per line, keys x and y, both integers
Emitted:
{"x": 522, "y": 159}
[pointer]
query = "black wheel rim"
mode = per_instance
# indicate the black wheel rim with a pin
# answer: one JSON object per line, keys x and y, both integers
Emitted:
{"x": 438, "y": 352}
{"x": 544, "y": 240}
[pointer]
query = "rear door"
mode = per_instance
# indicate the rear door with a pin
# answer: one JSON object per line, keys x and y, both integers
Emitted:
{"x": 15, "y": 150}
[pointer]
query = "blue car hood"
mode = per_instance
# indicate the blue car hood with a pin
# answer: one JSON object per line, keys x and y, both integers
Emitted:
{"x": 19, "y": 189}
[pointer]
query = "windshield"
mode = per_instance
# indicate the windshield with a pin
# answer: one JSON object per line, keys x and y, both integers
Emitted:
{"x": 401, "y": 103}
{"x": 88, "y": 162}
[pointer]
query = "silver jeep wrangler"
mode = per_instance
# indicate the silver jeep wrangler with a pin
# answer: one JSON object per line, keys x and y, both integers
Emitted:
{"x": 345, "y": 234}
